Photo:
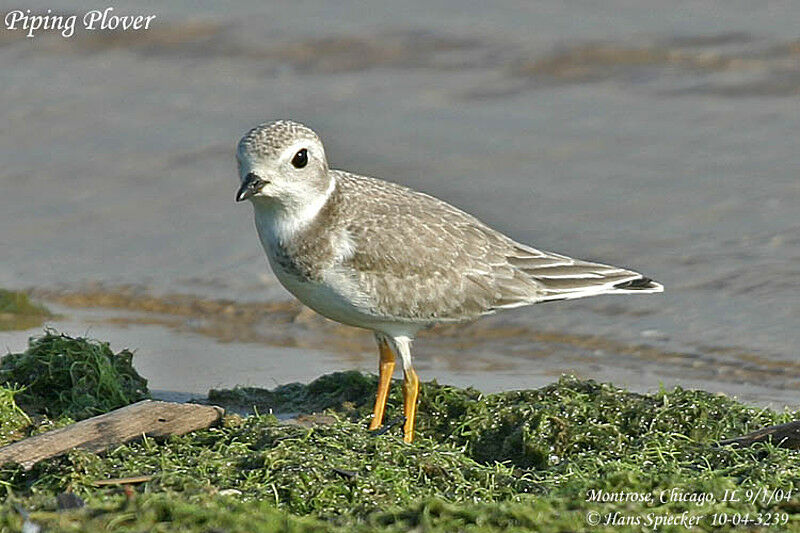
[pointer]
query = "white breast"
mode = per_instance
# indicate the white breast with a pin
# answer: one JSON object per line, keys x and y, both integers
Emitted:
{"x": 338, "y": 295}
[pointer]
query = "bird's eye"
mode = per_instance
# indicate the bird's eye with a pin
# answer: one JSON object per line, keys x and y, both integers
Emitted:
{"x": 300, "y": 159}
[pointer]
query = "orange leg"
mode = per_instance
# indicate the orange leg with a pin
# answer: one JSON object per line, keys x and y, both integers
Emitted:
{"x": 385, "y": 371}
{"x": 410, "y": 393}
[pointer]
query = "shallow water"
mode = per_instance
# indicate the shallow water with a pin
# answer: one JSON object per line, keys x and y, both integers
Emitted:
{"x": 659, "y": 138}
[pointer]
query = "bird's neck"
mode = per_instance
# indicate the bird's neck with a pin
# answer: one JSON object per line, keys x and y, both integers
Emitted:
{"x": 282, "y": 223}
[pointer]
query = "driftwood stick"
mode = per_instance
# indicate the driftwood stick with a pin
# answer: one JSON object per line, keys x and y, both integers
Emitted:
{"x": 783, "y": 435}
{"x": 151, "y": 418}
{"x": 133, "y": 480}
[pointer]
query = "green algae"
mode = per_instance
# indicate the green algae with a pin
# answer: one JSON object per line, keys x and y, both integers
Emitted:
{"x": 17, "y": 311}
{"x": 62, "y": 376}
{"x": 13, "y": 420}
{"x": 341, "y": 391}
{"x": 512, "y": 461}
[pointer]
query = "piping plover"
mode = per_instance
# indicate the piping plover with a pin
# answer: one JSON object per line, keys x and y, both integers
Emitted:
{"x": 376, "y": 255}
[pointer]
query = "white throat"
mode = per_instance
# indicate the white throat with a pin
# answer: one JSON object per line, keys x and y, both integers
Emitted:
{"x": 278, "y": 224}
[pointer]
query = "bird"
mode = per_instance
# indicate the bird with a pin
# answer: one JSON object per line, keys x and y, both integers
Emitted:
{"x": 378, "y": 255}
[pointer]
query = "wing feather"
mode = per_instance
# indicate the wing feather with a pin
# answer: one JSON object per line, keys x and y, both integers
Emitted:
{"x": 420, "y": 258}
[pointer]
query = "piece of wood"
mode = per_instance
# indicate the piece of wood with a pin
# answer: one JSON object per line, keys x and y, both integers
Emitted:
{"x": 133, "y": 480}
{"x": 783, "y": 435}
{"x": 148, "y": 417}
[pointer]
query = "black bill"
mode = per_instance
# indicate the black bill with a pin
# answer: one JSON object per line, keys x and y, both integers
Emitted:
{"x": 250, "y": 186}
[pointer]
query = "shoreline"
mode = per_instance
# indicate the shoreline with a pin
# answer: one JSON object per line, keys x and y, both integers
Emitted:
{"x": 283, "y": 341}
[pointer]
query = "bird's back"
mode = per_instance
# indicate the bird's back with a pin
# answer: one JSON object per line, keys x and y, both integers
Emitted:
{"x": 418, "y": 258}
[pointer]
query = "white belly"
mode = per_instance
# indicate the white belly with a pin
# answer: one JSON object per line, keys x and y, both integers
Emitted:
{"x": 333, "y": 298}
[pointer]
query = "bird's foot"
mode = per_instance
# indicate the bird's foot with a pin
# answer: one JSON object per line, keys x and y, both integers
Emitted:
{"x": 394, "y": 422}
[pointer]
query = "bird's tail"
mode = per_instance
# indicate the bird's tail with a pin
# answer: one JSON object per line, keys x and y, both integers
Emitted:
{"x": 563, "y": 278}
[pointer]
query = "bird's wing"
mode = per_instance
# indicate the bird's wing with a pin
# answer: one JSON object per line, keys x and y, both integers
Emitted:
{"x": 420, "y": 258}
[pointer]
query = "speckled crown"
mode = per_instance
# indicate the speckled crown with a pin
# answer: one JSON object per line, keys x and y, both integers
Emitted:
{"x": 271, "y": 139}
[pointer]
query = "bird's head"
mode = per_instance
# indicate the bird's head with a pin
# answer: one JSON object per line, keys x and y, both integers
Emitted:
{"x": 282, "y": 164}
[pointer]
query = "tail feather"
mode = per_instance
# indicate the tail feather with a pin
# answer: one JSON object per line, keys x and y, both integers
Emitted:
{"x": 642, "y": 284}
{"x": 559, "y": 277}
{"x": 619, "y": 282}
